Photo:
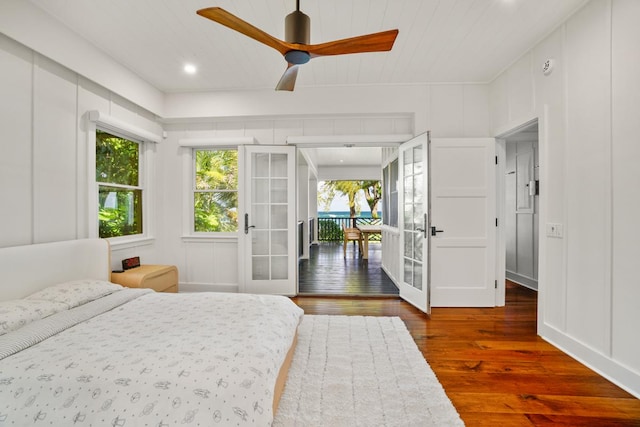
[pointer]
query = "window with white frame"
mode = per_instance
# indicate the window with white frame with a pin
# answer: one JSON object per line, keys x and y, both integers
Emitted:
{"x": 120, "y": 187}
{"x": 215, "y": 190}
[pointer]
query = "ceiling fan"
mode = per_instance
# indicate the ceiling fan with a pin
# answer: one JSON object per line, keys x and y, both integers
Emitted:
{"x": 296, "y": 48}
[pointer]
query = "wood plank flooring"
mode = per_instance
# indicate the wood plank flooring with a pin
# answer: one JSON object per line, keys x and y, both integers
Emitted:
{"x": 493, "y": 366}
{"x": 329, "y": 272}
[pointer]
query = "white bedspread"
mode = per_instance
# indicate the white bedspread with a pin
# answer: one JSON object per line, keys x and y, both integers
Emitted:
{"x": 157, "y": 360}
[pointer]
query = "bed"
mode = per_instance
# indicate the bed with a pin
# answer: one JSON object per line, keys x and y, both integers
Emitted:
{"x": 76, "y": 349}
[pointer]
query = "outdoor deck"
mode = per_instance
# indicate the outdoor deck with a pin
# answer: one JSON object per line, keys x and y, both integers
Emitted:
{"x": 327, "y": 272}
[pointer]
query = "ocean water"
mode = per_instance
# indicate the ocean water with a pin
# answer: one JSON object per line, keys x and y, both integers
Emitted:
{"x": 345, "y": 214}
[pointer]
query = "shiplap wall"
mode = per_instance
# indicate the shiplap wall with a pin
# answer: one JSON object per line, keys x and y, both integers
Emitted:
{"x": 446, "y": 110}
{"x": 43, "y": 148}
{"x": 589, "y": 302}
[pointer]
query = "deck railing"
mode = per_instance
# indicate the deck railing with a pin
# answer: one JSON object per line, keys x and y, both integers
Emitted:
{"x": 330, "y": 229}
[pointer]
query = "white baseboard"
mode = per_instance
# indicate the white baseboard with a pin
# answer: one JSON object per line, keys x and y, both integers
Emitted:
{"x": 612, "y": 370}
{"x": 525, "y": 281}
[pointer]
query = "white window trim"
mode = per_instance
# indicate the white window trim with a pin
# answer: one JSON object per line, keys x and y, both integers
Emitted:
{"x": 97, "y": 120}
{"x": 188, "y": 145}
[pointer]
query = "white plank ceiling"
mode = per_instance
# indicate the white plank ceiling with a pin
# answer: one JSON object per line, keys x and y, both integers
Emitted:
{"x": 439, "y": 40}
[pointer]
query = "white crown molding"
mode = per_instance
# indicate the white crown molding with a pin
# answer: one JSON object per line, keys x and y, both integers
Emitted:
{"x": 217, "y": 141}
{"x": 349, "y": 140}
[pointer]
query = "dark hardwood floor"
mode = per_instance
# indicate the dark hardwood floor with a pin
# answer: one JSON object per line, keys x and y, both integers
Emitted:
{"x": 328, "y": 272}
{"x": 493, "y": 366}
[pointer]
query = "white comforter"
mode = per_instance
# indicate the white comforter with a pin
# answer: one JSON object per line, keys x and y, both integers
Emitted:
{"x": 157, "y": 360}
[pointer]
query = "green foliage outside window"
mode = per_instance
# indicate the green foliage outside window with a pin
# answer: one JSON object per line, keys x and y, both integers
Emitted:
{"x": 119, "y": 191}
{"x": 216, "y": 191}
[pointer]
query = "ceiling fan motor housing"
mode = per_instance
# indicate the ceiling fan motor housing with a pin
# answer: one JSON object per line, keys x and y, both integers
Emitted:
{"x": 297, "y": 28}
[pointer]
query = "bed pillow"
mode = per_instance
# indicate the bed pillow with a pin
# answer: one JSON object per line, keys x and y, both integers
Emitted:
{"x": 76, "y": 292}
{"x": 14, "y": 314}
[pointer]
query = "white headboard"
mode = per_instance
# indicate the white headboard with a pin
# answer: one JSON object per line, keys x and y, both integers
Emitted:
{"x": 27, "y": 269}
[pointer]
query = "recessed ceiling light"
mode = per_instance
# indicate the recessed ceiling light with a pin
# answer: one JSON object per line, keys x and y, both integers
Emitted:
{"x": 190, "y": 68}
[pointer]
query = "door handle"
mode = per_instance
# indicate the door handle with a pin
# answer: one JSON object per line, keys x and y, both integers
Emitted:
{"x": 434, "y": 231}
{"x": 423, "y": 230}
{"x": 246, "y": 224}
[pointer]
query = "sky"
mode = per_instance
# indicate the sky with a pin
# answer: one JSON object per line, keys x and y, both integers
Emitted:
{"x": 341, "y": 203}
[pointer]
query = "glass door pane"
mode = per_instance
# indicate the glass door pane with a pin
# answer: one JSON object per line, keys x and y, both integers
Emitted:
{"x": 413, "y": 216}
{"x": 269, "y": 208}
{"x": 414, "y": 204}
{"x": 267, "y": 246}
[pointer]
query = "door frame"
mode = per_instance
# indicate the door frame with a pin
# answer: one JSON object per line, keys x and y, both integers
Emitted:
{"x": 501, "y": 250}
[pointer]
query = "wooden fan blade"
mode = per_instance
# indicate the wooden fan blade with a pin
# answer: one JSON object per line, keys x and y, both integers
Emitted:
{"x": 376, "y": 42}
{"x": 288, "y": 79}
{"x": 225, "y": 18}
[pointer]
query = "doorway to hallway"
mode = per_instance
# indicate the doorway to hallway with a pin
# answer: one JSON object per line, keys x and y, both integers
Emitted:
{"x": 521, "y": 205}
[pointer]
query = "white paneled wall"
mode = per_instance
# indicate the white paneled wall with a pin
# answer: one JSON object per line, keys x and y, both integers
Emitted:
{"x": 587, "y": 109}
{"x": 447, "y": 110}
{"x": 211, "y": 263}
{"x": 27, "y": 23}
{"x": 391, "y": 253}
{"x": 16, "y": 174}
{"x": 43, "y": 148}
{"x": 588, "y": 166}
{"x": 625, "y": 235}
{"x": 55, "y": 123}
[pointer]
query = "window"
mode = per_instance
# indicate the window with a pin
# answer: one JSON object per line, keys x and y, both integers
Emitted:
{"x": 120, "y": 193}
{"x": 390, "y": 194}
{"x": 215, "y": 190}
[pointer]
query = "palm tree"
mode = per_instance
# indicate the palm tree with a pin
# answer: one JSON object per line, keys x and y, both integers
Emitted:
{"x": 372, "y": 191}
{"x": 347, "y": 188}
{"x": 373, "y": 194}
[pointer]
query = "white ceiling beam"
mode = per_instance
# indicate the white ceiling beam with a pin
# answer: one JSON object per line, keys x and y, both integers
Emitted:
{"x": 348, "y": 140}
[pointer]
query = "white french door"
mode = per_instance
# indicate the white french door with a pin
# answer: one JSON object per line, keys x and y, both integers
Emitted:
{"x": 463, "y": 222}
{"x": 267, "y": 219}
{"x": 413, "y": 222}
{"x": 447, "y": 190}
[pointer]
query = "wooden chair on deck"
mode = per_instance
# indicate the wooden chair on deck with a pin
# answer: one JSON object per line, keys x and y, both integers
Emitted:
{"x": 351, "y": 234}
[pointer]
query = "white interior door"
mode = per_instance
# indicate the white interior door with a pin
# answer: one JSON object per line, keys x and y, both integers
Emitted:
{"x": 268, "y": 221}
{"x": 413, "y": 221}
{"x": 463, "y": 222}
